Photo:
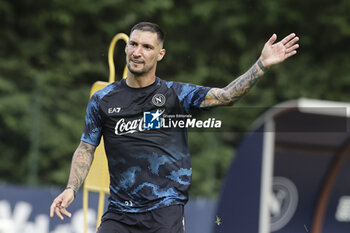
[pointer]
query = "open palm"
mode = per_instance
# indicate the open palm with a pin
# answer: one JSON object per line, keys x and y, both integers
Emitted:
{"x": 274, "y": 53}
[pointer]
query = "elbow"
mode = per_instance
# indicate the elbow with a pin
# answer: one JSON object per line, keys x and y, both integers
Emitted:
{"x": 230, "y": 103}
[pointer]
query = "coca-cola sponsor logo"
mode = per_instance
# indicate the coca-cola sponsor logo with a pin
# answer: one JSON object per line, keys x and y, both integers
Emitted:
{"x": 125, "y": 127}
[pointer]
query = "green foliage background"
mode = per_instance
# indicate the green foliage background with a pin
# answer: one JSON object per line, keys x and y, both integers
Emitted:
{"x": 51, "y": 52}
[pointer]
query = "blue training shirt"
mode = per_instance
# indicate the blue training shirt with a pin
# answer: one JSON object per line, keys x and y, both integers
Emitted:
{"x": 149, "y": 168}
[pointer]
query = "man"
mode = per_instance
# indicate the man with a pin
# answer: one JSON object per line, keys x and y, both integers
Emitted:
{"x": 150, "y": 170}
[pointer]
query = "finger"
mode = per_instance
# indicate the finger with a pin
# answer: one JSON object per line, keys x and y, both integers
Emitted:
{"x": 58, "y": 213}
{"x": 65, "y": 212}
{"x": 272, "y": 39}
{"x": 287, "y": 38}
{"x": 292, "y": 42}
{"x": 294, "y": 47}
{"x": 52, "y": 209}
{"x": 290, "y": 54}
{"x": 54, "y": 204}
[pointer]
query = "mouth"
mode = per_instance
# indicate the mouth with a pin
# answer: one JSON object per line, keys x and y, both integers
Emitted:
{"x": 136, "y": 61}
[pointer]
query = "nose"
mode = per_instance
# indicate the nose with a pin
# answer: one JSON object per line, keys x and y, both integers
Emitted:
{"x": 137, "y": 51}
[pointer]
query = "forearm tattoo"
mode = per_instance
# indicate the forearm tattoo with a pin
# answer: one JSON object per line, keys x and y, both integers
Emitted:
{"x": 235, "y": 90}
{"x": 81, "y": 163}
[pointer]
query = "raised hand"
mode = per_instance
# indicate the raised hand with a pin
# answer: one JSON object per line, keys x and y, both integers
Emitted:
{"x": 274, "y": 53}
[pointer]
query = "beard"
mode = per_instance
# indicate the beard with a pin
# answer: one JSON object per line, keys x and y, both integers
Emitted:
{"x": 136, "y": 72}
{"x": 139, "y": 72}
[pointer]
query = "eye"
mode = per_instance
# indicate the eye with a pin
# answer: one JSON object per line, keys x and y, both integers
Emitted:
{"x": 148, "y": 47}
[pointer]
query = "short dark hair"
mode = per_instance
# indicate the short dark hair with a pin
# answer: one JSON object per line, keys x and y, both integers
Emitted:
{"x": 150, "y": 27}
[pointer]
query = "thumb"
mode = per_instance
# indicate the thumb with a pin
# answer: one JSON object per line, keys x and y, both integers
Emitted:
{"x": 65, "y": 202}
{"x": 272, "y": 39}
{"x": 67, "y": 198}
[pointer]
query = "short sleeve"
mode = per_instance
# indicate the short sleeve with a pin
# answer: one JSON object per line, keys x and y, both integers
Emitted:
{"x": 190, "y": 95}
{"x": 93, "y": 122}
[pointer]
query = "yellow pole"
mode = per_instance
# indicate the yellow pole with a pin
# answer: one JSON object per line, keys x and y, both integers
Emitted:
{"x": 100, "y": 209}
{"x": 117, "y": 37}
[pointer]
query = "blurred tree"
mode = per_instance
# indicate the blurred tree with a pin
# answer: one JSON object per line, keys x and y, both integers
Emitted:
{"x": 52, "y": 51}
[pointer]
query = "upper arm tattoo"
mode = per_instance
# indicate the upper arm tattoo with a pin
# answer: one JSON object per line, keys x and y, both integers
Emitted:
{"x": 81, "y": 163}
{"x": 235, "y": 90}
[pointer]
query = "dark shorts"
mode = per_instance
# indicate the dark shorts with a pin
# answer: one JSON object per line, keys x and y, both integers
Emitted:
{"x": 164, "y": 220}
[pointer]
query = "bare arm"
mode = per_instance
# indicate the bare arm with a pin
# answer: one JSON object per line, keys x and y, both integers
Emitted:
{"x": 235, "y": 90}
{"x": 272, "y": 53}
{"x": 81, "y": 163}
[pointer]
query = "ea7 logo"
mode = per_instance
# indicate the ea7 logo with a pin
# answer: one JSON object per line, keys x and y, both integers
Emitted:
{"x": 113, "y": 110}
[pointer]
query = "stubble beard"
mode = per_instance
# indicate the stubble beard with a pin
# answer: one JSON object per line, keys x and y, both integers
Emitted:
{"x": 136, "y": 72}
{"x": 139, "y": 72}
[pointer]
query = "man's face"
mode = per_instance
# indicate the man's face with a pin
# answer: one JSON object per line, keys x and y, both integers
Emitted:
{"x": 143, "y": 51}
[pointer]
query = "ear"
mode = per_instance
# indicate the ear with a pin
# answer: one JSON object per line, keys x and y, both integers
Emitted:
{"x": 161, "y": 54}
